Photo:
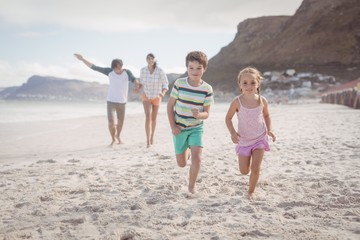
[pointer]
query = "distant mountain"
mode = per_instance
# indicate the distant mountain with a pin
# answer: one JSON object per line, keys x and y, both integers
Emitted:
{"x": 60, "y": 89}
{"x": 321, "y": 37}
{"x": 52, "y": 88}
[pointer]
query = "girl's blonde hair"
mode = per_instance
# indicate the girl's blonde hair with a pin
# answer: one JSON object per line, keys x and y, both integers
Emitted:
{"x": 256, "y": 73}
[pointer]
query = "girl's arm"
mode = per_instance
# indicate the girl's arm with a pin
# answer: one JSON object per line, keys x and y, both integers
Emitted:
{"x": 234, "y": 106}
{"x": 267, "y": 119}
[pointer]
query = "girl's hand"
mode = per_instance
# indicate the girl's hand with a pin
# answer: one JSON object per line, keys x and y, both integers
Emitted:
{"x": 235, "y": 138}
{"x": 272, "y": 135}
{"x": 176, "y": 130}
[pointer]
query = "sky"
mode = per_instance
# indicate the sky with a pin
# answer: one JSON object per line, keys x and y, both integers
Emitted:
{"x": 39, "y": 37}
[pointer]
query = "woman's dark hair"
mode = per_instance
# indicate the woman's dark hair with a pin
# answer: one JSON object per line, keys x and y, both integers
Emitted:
{"x": 152, "y": 56}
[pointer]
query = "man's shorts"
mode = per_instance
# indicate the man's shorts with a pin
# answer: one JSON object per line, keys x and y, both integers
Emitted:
{"x": 246, "y": 151}
{"x": 118, "y": 108}
{"x": 188, "y": 138}
{"x": 154, "y": 101}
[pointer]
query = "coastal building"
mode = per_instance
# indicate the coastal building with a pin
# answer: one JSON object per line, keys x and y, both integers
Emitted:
{"x": 347, "y": 94}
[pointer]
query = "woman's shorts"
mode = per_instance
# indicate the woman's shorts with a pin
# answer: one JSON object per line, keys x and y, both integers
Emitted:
{"x": 246, "y": 151}
{"x": 188, "y": 138}
{"x": 154, "y": 101}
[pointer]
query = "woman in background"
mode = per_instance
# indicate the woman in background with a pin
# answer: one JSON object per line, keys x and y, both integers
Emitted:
{"x": 155, "y": 84}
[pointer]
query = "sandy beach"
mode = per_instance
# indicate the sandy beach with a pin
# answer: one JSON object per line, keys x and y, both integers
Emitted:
{"x": 59, "y": 180}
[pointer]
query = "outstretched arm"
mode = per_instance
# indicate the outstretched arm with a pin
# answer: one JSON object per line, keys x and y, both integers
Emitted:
{"x": 81, "y": 58}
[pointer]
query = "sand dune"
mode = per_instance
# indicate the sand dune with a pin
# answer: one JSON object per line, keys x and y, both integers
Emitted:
{"x": 59, "y": 180}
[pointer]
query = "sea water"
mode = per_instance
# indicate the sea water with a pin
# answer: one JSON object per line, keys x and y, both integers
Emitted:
{"x": 30, "y": 111}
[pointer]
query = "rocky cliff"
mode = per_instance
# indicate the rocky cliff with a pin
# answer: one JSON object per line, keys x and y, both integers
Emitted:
{"x": 322, "y": 36}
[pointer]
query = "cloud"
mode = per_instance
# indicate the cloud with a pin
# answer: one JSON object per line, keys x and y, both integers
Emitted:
{"x": 137, "y": 15}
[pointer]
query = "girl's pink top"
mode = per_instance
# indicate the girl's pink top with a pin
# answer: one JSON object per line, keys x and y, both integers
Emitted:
{"x": 251, "y": 125}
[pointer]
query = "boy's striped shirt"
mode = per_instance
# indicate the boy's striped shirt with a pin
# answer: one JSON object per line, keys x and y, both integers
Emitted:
{"x": 188, "y": 97}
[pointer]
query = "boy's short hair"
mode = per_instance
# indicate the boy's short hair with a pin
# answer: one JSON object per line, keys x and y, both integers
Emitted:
{"x": 116, "y": 62}
{"x": 197, "y": 56}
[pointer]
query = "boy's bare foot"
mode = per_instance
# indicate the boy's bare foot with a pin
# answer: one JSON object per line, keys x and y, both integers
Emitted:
{"x": 192, "y": 190}
{"x": 251, "y": 195}
{"x": 111, "y": 144}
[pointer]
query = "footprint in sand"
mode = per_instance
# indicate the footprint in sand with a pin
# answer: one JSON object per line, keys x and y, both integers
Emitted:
{"x": 74, "y": 221}
{"x": 46, "y": 161}
{"x": 73, "y": 160}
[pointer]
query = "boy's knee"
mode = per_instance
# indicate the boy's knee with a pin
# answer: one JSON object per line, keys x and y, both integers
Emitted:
{"x": 181, "y": 162}
{"x": 182, "y": 165}
{"x": 244, "y": 171}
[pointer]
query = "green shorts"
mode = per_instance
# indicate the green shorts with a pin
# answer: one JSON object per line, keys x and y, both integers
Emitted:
{"x": 188, "y": 138}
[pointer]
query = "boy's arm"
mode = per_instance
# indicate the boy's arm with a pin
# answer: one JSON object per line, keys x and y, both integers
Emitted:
{"x": 201, "y": 115}
{"x": 171, "y": 116}
{"x": 209, "y": 99}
